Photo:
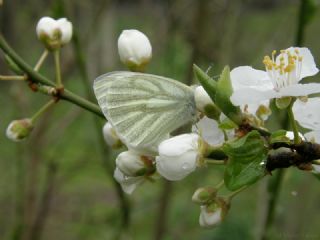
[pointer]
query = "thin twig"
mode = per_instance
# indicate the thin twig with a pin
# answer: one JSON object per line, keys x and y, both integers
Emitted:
{"x": 39, "y": 78}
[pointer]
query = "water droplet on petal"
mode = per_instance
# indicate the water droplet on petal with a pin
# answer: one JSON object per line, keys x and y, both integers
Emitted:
{"x": 185, "y": 166}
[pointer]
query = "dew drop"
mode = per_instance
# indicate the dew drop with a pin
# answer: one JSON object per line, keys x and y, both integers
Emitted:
{"x": 185, "y": 166}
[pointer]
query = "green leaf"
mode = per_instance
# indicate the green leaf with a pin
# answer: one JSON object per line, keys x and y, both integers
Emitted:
{"x": 279, "y": 136}
{"x": 245, "y": 165}
{"x": 207, "y": 82}
{"x": 222, "y": 99}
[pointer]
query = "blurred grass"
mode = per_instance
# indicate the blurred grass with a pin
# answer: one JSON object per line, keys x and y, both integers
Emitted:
{"x": 83, "y": 204}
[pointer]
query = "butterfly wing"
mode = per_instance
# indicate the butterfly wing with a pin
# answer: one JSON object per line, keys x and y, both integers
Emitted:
{"x": 144, "y": 108}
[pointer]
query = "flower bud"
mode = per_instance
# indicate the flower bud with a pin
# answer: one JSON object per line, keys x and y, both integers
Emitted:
{"x": 178, "y": 156}
{"x": 134, "y": 49}
{"x": 210, "y": 216}
{"x": 130, "y": 164}
{"x": 19, "y": 129}
{"x": 54, "y": 33}
{"x": 204, "y": 103}
{"x": 213, "y": 213}
{"x": 203, "y": 195}
{"x": 128, "y": 184}
{"x": 110, "y": 136}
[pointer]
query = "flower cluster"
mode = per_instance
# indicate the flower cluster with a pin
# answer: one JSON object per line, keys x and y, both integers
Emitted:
{"x": 223, "y": 133}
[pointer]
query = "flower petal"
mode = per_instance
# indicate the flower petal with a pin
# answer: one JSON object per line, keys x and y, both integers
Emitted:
{"x": 307, "y": 114}
{"x": 313, "y": 136}
{"x": 298, "y": 90}
{"x": 308, "y": 67}
{"x": 209, "y": 131}
{"x": 252, "y": 96}
{"x": 128, "y": 184}
{"x": 248, "y": 77}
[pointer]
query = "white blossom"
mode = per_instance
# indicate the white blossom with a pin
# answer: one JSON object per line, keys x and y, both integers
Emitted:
{"x": 209, "y": 130}
{"x": 110, "y": 136}
{"x": 134, "y": 48}
{"x": 178, "y": 156}
{"x": 281, "y": 78}
{"x": 54, "y": 33}
{"x": 130, "y": 163}
{"x": 201, "y": 98}
{"x": 128, "y": 184}
{"x": 209, "y": 218}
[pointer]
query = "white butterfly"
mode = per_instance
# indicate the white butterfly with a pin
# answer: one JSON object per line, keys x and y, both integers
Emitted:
{"x": 144, "y": 108}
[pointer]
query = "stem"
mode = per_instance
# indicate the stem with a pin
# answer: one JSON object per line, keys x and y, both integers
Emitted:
{"x": 274, "y": 186}
{"x": 41, "y": 60}
{"x": 219, "y": 185}
{"x": 233, "y": 194}
{"x": 297, "y": 139}
{"x": 58, "y": 70}
{"x": 39, "y": 78}
{"x": 42, "y": 110}
{"x": 10, "y": 78}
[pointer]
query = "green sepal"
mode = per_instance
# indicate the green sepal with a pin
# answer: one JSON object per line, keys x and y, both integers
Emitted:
{"x": 212, "y": 111}
{"x": 222, "y": 99}
{"x": 227, "y": 124}
{"x": 279, "y": 136}
{"x": 283, "y": 103}
{"x": 207, "y": 82}
{"x": 246, "y": 161}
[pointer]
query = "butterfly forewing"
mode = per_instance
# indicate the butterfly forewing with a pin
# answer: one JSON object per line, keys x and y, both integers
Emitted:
{"x": 144, "y": 108}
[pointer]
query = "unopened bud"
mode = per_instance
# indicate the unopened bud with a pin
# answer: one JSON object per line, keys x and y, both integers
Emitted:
{"x": 54, "y": 33}
{"x": 203, "y": 195}
{"x": 110, "y": 136}
{"x": 134, "y": 49}
{"x": 19, "y": 129}
{"x": 131, "y": 164}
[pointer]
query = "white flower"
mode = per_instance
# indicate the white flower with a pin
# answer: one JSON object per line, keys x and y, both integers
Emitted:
{"x": 245, "y": 77}
{"x": 54, "y": 33}
{"x": 281, "y": 78}
{"x": 201, "y": 98}
{"x": 19, "y": 129}
{"x": 308, "y": 116}
{"x": 178, "y": 156}
{"x": 209, "y": 218}
{"x": 134, "y": 48}
{"x": 209, "y": 130}
{"x": 130, "y": 163}
{"x": 110, "y": 136}
{"x": 128, "y": 184}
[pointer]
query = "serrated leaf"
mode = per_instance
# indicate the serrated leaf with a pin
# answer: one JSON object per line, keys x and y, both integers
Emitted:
{"x": 245, "y": 164}
{"x": 222, "y": 99}
{"x": 207, "y": 82}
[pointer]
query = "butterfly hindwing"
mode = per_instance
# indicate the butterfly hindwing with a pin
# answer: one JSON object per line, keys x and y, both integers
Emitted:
{"x": 144, "y": 108}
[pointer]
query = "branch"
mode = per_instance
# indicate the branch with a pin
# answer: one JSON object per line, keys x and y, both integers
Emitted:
{"x": 39, "y": 78}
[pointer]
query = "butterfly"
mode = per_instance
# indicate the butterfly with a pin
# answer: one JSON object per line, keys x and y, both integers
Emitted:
{"x": 144, "y": 108}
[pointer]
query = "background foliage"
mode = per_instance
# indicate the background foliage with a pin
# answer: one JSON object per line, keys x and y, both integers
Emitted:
{"x": 57, "y": 184}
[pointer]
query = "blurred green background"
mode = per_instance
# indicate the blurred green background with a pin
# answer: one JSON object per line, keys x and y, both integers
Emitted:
{"x": 58, "y": 183}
